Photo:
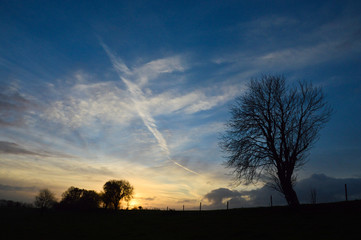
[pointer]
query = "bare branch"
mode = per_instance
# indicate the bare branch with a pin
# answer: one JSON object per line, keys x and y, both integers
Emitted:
{"x": 271, "y": 130}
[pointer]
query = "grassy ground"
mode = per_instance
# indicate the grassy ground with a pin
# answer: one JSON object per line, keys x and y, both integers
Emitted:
{"x": 325, "y": 221}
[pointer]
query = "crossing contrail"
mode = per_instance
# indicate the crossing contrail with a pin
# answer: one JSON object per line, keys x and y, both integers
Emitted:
{"x": 138, "y": 99}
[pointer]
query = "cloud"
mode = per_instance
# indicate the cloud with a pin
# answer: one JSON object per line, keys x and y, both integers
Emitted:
{"x": 21, "y": 193}
{"x": 291, "y": 58}
{"x": 17, "y": 188}
{"x": 154, "y": 68}
{"x": 171, "y": 102}
{"x": 204, "y": 102}
{"x": 88, "y": 103}
{"x": 83, "y": 169}
{"x": 85, "y": 104}
{"x": 289, "y": 43}
{"x": 13, "y": 107}
{"x": 138, "y": 98}
{"x": 13, "y": 148}
{"x": 191, "y": 201}
{"x": 37, "y": 166}
{"x": 218, "y": 195}
{"x": 303, "y": 56}
{"x": 109, "y": 130}
{"x": 147, "y": 198}
{"x": 16, "y": 149}
{"x": 104, "y": 117}
{"x": 237, "y": 199}
{"x": 328, "y": 190}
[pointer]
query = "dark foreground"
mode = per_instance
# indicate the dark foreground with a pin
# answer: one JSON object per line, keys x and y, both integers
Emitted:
{"x": 324, "y": 221}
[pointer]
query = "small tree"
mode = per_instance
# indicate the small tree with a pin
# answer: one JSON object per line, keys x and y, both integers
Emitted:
{"x": 115, "y": 191}
{"x": 272, "y": 128}
{"x": 45, "y": 199}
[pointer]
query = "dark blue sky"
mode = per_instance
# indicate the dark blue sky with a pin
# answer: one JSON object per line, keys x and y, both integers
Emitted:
{"x": 94, "y": 90}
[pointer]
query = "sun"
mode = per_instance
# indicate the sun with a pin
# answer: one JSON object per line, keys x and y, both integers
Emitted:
{"x": 133, "y": 204}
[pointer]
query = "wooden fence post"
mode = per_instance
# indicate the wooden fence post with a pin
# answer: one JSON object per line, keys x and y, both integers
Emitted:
{"x": 200, "y": 206}
{"x": 271, "y": 201}
{"x": 346, "y": 192}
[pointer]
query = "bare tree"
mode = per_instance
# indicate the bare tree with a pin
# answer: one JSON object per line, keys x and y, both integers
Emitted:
{"x": 45, "y": 199}
{"x": 115, "y": 191}
{"x": 272, "y": 128}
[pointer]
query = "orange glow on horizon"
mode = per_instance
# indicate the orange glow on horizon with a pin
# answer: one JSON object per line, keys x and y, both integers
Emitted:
{"x": 134, "y": 203}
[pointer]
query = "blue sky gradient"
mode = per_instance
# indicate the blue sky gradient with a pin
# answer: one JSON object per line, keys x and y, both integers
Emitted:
{"x": 140, "y": 90}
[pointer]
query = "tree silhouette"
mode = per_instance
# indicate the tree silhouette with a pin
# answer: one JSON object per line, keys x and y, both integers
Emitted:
{"x": 45, "y": 199}
{"x": 272, "y": 128}
{"x": 90, "y": 199}
{"x": 76, "y": 198}
{"x": 115, "y": 191}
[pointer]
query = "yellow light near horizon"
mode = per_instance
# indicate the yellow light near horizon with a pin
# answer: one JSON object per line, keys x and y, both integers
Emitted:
{"x": 133, "y": 204}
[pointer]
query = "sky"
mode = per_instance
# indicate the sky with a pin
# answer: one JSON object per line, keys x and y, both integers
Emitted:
{"x": 140, "y": 90}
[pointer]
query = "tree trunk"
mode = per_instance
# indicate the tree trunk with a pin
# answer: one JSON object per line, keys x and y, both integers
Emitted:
{"x": 290, "y": 195}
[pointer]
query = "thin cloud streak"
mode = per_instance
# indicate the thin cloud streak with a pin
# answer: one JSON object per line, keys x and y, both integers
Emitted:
{"x": 138, "y": 98}
{"x": 309, "y": 45}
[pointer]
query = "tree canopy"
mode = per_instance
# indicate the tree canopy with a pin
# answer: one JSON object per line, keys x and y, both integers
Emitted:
{"x": 76, "y": 198}
{"x": 115, "y": 191}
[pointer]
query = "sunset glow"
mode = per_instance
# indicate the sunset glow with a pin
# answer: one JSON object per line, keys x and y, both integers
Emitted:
{"x": 141, "y": 91}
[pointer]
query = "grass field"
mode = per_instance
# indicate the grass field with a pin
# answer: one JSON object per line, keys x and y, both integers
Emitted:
{"x": 322, "y": 221}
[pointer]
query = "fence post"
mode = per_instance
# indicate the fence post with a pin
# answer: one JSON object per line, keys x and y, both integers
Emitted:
{"x": 271, "y": 201}
{"x": 227, "y": 204}
{"x": 200, "y": 206}
{"x": 346, "y": 192}
{"x": 183, "y": 208}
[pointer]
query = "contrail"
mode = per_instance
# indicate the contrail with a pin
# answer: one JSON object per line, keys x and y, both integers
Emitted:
{"x": 137, "y": 98}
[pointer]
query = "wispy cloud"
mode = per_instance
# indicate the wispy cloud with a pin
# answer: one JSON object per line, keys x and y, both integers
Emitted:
{"x": 193, "y": 102}
{"x": 105, "y": 131}
{"x": 139, "y": 98}
{"x": 13, "y": 106}
{"x": 154, "y": 68}
{"x": 13, "y": 148}
{"x": 83, "y": 104}
{"x": 16, "y": 188}
{"x": 291, "y": 44}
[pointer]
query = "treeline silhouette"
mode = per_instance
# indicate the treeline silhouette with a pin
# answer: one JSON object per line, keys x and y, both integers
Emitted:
{"x": 76, "y": 198}
{"x": 339, "y": 220}
{"x": 14, "y": 204}
{"x": 114, "y": 191}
